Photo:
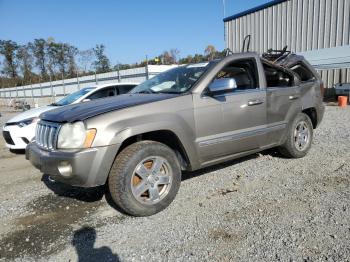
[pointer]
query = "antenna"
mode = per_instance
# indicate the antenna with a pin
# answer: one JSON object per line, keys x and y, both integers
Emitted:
{"x": 224, "y": 7}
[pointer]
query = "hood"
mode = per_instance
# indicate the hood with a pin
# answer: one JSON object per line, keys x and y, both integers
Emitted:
{"x": 83, "y": 111}
{"x": 35, "y": 112}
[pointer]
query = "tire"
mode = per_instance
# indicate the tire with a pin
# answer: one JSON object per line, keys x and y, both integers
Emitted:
{"x": 297, "y": 146}
{"x": 144, "y": 165}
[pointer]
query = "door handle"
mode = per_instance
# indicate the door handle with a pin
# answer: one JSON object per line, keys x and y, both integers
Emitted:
{"x": 255, "y": 102}
{"x": 293, "y": 97}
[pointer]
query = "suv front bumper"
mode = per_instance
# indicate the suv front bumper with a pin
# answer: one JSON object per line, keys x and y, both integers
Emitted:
{"x": 84, "y": 168}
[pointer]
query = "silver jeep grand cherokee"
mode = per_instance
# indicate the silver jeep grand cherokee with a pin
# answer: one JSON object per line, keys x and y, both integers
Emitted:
{"x": 187, "y": 118}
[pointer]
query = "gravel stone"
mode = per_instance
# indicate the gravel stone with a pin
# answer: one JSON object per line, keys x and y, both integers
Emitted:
{"x": 259, "y": 208}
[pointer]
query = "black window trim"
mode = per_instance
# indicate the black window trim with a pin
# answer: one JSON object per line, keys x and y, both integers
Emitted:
{"x": 99, "y": 90}
{"x": 238, "y": 92}
{"x": 300, "y": 63}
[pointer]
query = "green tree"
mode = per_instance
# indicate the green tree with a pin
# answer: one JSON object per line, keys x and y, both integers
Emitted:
{"x": 174, "y": 52}
{"x": 8, "y": 49}
{"x": 85, "y": 59}
{"x": 39, "y": 51}
{"x": 186, "y": 60}
{"x": 25, "y": 60}
{"x": 210, "y": 52}
{"x": 51, "y": 57}
{"x": 72, "y": 52}
{"x": 101, "y": 63}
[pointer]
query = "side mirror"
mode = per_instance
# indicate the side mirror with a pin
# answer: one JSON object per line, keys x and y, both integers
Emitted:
{"x": 86, "y": 100}
{"x": 222, "y": 84}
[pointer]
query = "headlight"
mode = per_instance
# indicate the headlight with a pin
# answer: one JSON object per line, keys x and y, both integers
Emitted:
{"x": 75, "y": 136}
{"x": 28, "y": 121}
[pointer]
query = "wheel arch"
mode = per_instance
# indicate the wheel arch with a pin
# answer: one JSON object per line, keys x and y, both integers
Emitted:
{"x": 163, "y": 136}
{"x": 312, "y": 114}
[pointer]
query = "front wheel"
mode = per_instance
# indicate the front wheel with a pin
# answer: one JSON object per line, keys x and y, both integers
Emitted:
{"x": 144, "y": 178}
{"x": 299, "y": 137}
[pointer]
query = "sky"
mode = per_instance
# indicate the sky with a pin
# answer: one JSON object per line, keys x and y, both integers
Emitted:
{"x": 130, "y": 29}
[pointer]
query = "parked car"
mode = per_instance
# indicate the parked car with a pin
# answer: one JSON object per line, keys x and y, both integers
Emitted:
{"x": 21, "y": 104}
{"x": 342, "y": 89}
{"x": 20, "y": 130}
{"x": 187, "y": 118}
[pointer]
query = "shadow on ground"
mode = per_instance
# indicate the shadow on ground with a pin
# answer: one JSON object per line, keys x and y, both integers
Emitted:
{"x": 97, "y": 193}
{"x": 84, "y": 240}
{"x": 271, "y": 152}
{"x": 78, "y": 193}
{"x": 18, "y": 151}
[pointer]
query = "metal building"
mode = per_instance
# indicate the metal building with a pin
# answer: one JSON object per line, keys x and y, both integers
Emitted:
{"x": 315, "y": 28}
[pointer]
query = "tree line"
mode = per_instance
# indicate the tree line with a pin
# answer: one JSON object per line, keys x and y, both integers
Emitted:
{"x": 47, "y": 60}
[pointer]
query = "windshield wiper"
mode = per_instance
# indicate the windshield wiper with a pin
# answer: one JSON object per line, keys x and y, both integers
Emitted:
{"x": 169, "y": 92}
{"x": 55, "y": 104}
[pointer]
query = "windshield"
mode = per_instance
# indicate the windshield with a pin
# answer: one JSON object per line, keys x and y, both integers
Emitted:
{"x": 73, "y": 97}
{"x": 175, "y": 81}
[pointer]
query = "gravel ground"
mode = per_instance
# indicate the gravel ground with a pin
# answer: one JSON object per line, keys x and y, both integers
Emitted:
{"x": 259, "y": 208}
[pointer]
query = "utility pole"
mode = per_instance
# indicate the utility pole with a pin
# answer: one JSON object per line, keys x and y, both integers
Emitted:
{"x": 64, "y": 86}
{"x": 32, "y": 91}
{"x": 147, "y": 72}
{"x": 224, "y": 7}
{"x": 51, "y": 89}
{"x": 78, "y": 80}
{"x": 118, "y": 70}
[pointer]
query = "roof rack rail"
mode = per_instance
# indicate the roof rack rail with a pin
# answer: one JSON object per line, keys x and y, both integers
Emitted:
{"x": 276, "y": 55}
{"x": 245, "y": 47}
{"x": 246, "y": 44}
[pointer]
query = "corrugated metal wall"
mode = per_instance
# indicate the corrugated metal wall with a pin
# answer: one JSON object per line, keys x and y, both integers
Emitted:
{"x": 301, "y": 24}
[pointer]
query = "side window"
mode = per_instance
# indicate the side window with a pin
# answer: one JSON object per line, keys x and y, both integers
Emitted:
{"x": 276, "y": 77}
{"x": 106, "y": 92}
{"x": 303, "y": 73}
{"x": 244, "y": 72}
{"x": 123, "y": 89}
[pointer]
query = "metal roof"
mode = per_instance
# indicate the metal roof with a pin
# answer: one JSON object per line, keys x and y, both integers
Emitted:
{"x": 329, "y": 58}
{"x": 254, "y": 9}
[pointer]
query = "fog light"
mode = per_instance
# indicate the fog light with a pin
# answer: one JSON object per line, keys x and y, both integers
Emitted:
{"x": 65, "y": 169}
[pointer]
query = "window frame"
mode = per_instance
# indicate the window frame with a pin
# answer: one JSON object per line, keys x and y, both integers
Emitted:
{"x": 255, "y": 70}
{"x": 100, "y": 90}
{"x": 281, "y": 69}
{"x": 301, "y": 64}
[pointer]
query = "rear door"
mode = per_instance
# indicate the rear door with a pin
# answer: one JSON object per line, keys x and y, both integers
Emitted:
{"x": 283, "y": 102}
{"x": 233, "y": 121}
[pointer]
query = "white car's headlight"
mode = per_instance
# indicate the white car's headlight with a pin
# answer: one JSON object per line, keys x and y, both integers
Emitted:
{"x": 28, "y": 121}
{"x": 73, "y": 136}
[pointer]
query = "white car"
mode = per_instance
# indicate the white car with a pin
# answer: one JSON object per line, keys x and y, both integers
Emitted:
{"x": 20, "y": 130}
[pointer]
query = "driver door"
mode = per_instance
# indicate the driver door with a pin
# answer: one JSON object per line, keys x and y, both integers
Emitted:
{"x": 231, "y": 122}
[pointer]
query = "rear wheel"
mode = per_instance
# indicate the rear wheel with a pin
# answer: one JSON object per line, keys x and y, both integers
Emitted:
{"x": 144, "y": 178}
{"x": 299, "y": 137}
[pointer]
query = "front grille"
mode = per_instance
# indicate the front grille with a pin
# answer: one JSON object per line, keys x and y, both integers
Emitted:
{"x": 7, "y": 137}
{"x": 46, "y": 134}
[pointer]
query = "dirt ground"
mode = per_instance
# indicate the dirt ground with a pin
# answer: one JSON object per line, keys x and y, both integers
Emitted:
{"x": 260, "y": 208}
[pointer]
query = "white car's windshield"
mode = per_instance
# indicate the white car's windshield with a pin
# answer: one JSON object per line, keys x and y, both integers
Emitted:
{"x": 175, "y": 81}
{"x": 73, "y": 97}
